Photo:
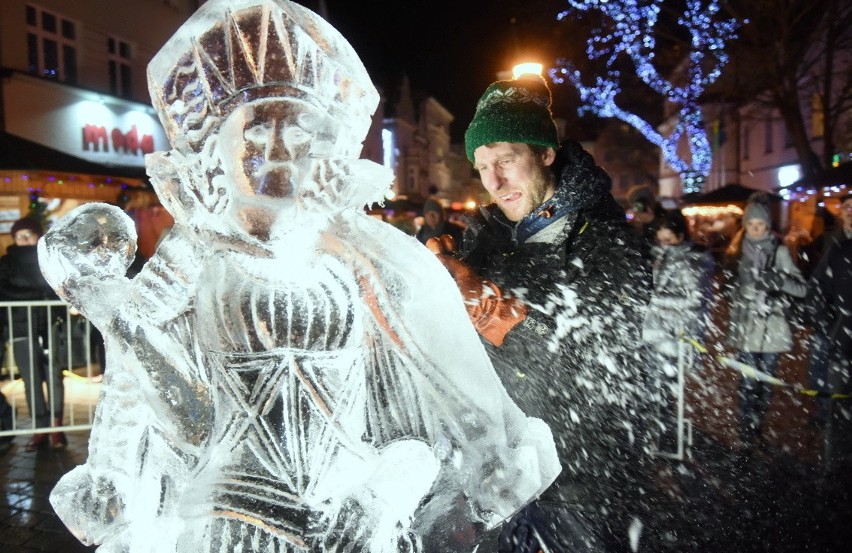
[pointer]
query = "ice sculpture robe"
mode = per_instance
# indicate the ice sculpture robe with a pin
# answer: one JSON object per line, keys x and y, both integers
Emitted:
{"x": 300, "y": 402}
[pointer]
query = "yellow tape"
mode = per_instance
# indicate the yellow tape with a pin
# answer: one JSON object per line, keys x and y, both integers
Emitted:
{"x": 755, "y": 374}
{"x": 817, "y": 393}
{"x": 696, "y": 344}
{"x": 69, "y": 374}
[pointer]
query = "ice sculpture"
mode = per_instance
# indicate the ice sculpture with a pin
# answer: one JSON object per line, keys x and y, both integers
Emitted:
{"x": 286, "y": 373}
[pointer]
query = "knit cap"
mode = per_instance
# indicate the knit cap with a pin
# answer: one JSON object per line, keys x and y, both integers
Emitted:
{"x": 432, "y": 204}
{"x": 513, "y": 111}
{"x": 26, "y": 224}
{"x": 755, "y": 210}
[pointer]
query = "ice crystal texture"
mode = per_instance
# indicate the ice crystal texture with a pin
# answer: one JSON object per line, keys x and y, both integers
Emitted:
{"x": 286, "y": 373}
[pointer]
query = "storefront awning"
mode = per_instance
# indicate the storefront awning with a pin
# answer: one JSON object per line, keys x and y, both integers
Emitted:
{"x": 27, "y": 167}
{"x": 20, "y": 154}
{"x": 730, "y": 193}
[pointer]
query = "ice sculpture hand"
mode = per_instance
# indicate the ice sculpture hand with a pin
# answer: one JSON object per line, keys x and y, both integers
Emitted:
{"x": 87, "y": 255}
{"x": 492, "y": 314}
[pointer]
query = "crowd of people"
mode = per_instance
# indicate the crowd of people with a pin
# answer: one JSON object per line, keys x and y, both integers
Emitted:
{"x": 562, "y": 290}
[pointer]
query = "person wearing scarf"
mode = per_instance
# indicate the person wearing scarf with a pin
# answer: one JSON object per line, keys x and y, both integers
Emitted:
{"x": 764, "y": 281}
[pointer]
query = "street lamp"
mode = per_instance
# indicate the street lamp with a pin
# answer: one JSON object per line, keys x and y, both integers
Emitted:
{"x": 527, "y": 68}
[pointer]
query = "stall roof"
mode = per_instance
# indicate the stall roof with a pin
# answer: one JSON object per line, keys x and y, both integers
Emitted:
{"x": 731, "y": 192}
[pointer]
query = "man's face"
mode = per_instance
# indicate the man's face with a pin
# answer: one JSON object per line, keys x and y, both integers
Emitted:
{"x": 846, "y": 214}
{"x": 516, "y": 178}
{"x": 267, "y": 146}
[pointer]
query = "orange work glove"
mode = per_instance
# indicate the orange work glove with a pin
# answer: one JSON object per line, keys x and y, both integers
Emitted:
{"x": 492, "y": 315}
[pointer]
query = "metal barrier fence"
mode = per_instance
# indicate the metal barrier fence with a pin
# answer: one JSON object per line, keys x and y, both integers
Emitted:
{"x": 47, "y": 348}
{"x": 682, "y": 428}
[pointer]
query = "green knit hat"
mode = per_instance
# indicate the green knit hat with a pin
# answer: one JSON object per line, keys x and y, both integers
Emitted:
{"x": 513, "y": 111}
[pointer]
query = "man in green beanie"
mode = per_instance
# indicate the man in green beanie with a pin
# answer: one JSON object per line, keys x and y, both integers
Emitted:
{"x": 555, "y": 284}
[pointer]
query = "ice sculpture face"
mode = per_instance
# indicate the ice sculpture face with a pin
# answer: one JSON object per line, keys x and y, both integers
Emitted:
{"x": 266, "y": 151}
{"x": 286, "y": 373}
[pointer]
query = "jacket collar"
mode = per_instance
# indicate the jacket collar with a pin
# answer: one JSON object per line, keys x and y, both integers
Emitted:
{"x": 540, "y": 218}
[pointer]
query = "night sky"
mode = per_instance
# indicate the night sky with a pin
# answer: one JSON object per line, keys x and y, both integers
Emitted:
{"x": 450, "y": 49}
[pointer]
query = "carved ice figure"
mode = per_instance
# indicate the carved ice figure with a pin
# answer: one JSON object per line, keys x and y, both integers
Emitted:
{"x": 286, "y": 373}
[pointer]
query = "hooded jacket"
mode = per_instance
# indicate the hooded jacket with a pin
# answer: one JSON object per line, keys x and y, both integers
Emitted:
{"x": 574, "y": 362}
{"x": 832, "y": 279}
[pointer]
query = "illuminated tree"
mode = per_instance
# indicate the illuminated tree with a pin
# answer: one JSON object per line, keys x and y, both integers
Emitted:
{"x": 795, "y": 57}
{"x": 628, "y": 33}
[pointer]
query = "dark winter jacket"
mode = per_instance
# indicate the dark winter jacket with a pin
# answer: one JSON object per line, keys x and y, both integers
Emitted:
{"x": 832, "y": 282}
{"x": 21, "y": 280}
{"x": 574, "y": 361}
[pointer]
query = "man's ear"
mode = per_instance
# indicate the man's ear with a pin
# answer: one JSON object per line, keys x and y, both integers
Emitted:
{"x": 548, "y": 157}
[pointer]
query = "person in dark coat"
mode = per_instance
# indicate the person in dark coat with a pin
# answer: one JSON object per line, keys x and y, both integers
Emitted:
{"x": 644, "y": 213}
{"x": 830, "y": 367}
{"x": 21, "y": 280}
{"x": 435, "y": 223}
{"x": 5, "y": 422}
{"x": 556, "y": 286}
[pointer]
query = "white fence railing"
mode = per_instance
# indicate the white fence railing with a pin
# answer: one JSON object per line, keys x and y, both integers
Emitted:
{"x": 51, "y": 364}
{"x": 682, "y": 427}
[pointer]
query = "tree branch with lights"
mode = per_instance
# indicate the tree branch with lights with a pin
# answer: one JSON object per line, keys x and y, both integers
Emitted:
{"x": 629, "y": 30}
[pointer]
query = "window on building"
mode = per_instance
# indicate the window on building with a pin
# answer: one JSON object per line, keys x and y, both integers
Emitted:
{"x": 746, "y": 141}
{"x": 119, "y": 67}
{"x": 412, "y": 179}
{"x": 51, "y": 45}
{"x": 767, "y": 134}
{"x": 817, "y": 116}
{"x": 788, "y": 138}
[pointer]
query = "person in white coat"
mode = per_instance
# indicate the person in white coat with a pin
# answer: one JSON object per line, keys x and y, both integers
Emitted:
{"x": 678, "y": 306}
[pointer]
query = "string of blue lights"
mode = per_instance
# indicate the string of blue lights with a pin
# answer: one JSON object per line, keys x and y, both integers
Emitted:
{"x": 631, "y": 32}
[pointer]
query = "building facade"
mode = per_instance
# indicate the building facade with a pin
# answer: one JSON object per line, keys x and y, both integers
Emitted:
{"x": 751, "y": 143}
{"x": 417, "y": 147}
{"x": 75, "y": 116}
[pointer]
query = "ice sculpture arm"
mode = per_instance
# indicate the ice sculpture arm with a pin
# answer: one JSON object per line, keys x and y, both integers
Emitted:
{"x": 85, "y": 256}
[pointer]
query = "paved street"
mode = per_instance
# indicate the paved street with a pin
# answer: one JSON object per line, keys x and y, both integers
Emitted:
{"x": 27, "y": 521}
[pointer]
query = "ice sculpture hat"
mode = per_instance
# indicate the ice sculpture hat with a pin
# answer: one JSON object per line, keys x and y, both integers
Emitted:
{"x": 231, "y": 52}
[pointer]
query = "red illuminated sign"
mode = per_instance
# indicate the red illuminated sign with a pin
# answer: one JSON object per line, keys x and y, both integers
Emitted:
{"x": 95, "y": 138}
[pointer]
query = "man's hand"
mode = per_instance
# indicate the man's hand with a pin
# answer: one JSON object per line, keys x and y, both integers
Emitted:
{"x": 492, "y": 315}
